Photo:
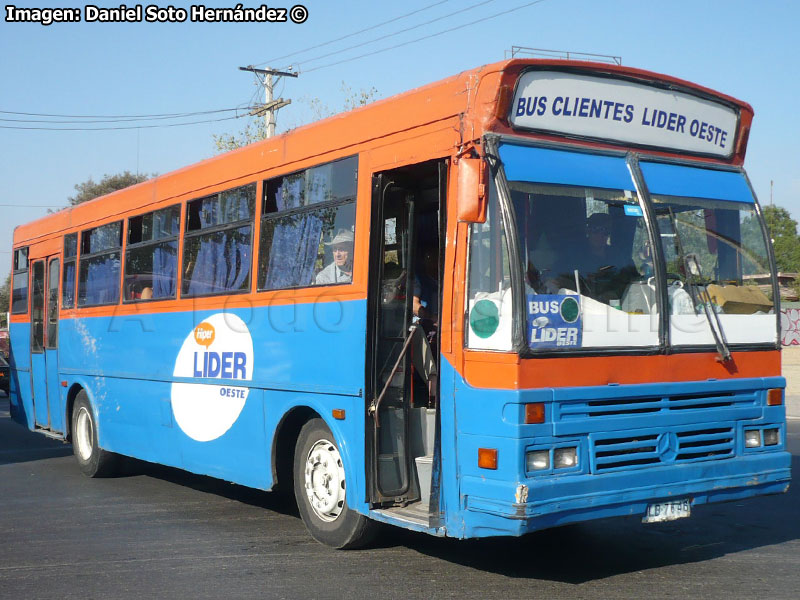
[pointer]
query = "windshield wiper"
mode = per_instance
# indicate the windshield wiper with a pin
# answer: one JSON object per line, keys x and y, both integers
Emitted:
{"x": 692, "y": 268}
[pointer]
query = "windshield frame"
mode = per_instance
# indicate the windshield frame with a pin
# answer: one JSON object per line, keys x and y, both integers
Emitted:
{"x": 633, "y": 159}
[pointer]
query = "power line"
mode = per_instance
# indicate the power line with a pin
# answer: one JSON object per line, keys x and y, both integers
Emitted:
{"x": 119, "y": 119}
{"x": 349, "y": 35}
{"x": 425, "y": 37}
{"x": 184, "y": 114}
{"x": 126, "y": 127}
{"x": 32, "y": 206}
{"x": 396, "y": 33}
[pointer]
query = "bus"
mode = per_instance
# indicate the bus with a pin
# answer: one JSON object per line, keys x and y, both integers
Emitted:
{"x": 510, "y": 300}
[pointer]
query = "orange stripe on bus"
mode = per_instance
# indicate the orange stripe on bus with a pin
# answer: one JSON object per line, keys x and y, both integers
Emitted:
{"x": 508, "y": 371}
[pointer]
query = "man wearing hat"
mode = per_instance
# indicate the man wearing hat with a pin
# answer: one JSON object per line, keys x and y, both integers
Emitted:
{"x": 341, "y": 269}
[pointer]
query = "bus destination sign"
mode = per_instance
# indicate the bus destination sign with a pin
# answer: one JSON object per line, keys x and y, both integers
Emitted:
{"x": 623, "y": 111}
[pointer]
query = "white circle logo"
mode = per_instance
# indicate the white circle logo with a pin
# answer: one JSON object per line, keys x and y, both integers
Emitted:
{"x": 218, "y": 348}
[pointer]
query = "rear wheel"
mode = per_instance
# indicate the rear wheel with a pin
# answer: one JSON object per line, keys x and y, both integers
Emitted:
{"x": 92, "y": 459}
{"x": 320, "y": 490}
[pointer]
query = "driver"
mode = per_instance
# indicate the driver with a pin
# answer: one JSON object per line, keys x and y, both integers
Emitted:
{"x": 598, "y": 232}
{"x": 606, "y": 279}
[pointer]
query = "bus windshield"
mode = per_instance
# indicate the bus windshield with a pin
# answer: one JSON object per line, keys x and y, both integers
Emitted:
{"x": 590, "y": 263}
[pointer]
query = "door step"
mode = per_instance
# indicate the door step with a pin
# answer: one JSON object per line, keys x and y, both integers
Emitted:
{"x": 56, "y": 435}
{"x": 413, "y": 513}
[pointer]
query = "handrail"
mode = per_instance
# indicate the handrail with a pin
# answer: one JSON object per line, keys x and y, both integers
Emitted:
{"x": 375, "y": 404}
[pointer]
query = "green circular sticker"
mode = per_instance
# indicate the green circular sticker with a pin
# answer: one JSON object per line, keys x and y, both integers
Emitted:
{"x": 570, "y": 310}
{"x": 484, "y": 318}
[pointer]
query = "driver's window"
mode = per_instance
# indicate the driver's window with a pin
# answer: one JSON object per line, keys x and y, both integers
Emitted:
{"x": 490, "y": 301}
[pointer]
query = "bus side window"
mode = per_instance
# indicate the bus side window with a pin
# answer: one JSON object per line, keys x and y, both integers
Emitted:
{"x": 489, "y": 298}
{"x": 218, "y": 243}
{"x": 70, "y": 266}
{"x": 19, "y": 293}
{"x": 99, "y": 268}
{"x": 151, "y": 256}
{"x": 308, "y": 227}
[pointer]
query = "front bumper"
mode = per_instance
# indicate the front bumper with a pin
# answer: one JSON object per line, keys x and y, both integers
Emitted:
{"x": 550, "y": 502}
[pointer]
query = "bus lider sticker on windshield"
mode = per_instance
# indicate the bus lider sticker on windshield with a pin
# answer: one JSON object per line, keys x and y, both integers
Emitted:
{"x": 554, "y": 321}
{"x": 218, "y": 348}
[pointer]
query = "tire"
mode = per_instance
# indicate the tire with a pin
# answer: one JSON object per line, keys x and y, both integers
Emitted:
{"x": 320, "y": 490}
{"x": 92, "y": 459}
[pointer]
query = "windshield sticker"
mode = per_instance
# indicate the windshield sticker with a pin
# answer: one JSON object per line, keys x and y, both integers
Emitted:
{"x": 554, "y": 321}
{"x": 631, "y": 210}
{"x": 218, "y": 348}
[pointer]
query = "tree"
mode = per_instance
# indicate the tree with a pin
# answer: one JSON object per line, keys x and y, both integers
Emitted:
{"x": 90, "y": 189}
{"x": 5, "y": 295}
{"x": 785, "y": 240}
{"x": 256, "y": 129}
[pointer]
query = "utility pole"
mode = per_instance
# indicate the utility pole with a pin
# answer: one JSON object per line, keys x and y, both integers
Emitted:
{"x": 270, "y": 106}
{"x": 770, "y": 191}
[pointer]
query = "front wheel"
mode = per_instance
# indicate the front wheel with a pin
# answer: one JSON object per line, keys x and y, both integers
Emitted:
{"x": 92, "y": 459}
{"x": 320, "y": 490}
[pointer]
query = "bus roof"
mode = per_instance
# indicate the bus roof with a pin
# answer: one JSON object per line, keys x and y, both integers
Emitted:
{"x": 479, "y": 98}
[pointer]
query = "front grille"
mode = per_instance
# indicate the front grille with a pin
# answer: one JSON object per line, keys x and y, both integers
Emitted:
{"x": 616, "y": 407}
{"x": 612, "y": 452}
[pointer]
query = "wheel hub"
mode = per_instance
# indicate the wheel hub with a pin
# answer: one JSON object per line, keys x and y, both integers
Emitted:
{"x": 324, "y": 480}
{"x": 84, "y": 434}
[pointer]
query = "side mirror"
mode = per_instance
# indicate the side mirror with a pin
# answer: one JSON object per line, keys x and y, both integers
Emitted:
{"x": 471, "y": 198}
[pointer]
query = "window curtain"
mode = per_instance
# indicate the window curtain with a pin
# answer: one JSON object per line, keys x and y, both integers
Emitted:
{"x": 223, "y": 262}
{"x": 68, "y": 285}
{"x": 295, "y": 240}
{"x": 164, "y": 270}
{"x": 237, "y": 257}
{"x": 102, "y": 280}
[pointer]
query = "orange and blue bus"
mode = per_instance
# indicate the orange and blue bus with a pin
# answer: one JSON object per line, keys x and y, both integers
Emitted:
{"x": 514, "y": 299}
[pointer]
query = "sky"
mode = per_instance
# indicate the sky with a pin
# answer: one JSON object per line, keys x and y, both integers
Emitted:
{"x": 745, "y": 49}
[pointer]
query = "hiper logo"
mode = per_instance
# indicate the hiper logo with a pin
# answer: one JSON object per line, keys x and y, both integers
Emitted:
{"x": 204, "y": 334}
{"x": 218, "y": 348}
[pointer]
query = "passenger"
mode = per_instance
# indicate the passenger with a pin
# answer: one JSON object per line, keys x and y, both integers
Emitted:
{"x": 426, "y": 315}
{"x": 426, "y": 290}
{"x": 341, "y": 269}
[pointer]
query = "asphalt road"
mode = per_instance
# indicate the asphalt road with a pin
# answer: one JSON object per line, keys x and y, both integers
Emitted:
{"x": 162, "y": 533}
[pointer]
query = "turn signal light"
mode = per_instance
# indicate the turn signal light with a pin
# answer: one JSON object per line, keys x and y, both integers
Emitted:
{"x": 487, "y": 458}
{"x": 338, "y": 413}
{"x": 775, "y": 397}
{"x": 534, "y": 413}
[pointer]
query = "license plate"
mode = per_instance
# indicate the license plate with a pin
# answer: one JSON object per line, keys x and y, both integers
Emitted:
{"x": 667, "y": 511}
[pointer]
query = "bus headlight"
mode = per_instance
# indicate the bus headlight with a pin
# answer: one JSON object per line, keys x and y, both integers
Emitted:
{"x": 538, "y": 460}
{"x": 772, "y": 437}
{"x": 752, "y": 438}
{"x": 564, "y": 458}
